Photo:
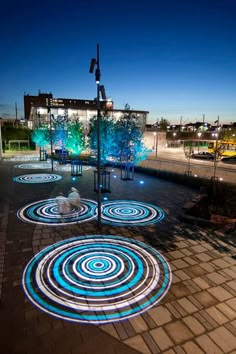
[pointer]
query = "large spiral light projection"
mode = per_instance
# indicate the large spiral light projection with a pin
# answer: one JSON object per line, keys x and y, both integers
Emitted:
{"x": 37, "y": 178}
{"x": 34, "y": 165}
{"x": 97, "y": 279}
{"x": 129, "y": 212}
{"x": 46, "y": 212}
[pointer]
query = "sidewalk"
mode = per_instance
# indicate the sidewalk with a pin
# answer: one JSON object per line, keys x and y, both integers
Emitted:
{"x": 198, "y": 314}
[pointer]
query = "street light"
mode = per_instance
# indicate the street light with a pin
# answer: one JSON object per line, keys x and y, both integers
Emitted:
{"x": 0, "y": 139}
{"x": 95, "y": 63}
{"x": 174, "y": 134}
{"x": 51, "y": 138}
{"x": 199, "y": 135}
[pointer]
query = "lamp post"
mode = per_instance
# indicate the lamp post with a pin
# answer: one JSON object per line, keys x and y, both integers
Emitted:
{"x": 174, "y": 134}
{"x": 199, "y": 135}
{"x": 51, "y": 142}
{"x": 0, "y": 139}
{"x": 95, "y": 62}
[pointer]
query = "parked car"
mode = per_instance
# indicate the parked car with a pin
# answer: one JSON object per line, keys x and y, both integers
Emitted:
{"x": 203, "y": 155}
{"x": 230, "y": 159}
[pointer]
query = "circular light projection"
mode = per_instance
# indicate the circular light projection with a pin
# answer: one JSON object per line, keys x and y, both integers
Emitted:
{"x": 68, "y": 168}
{"x": 129, "y": 212}
{"x": 33, "y": 165}
{"x": 37, "y": 178}
{"x": 97, "y": 279}
{"x": 46, "y": 212}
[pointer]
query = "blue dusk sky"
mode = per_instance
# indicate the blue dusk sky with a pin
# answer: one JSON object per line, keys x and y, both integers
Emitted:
{"x": 171, "y": 58}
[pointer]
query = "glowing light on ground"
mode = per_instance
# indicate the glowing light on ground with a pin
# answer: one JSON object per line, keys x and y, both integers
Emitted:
{"x": 97, "y": 279}
{"x": 46, "y": 212}
{"x": 129, "y": 212}
{"x": 37, "y": 178}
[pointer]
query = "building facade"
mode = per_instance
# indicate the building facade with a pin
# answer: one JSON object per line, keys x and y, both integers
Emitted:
{"x": 39, "y": 108}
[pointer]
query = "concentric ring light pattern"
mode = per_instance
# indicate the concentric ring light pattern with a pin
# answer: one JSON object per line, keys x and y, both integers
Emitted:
{"x": 129, "y": 212}
{"x": 97, "y": 279}
{"x": 37, "y": 178}
{"x": 34, "y": 165}
{"x": 46, "y": 212}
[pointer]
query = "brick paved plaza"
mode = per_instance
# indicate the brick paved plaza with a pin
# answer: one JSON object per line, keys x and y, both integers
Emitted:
{"x": 198, "y": 313}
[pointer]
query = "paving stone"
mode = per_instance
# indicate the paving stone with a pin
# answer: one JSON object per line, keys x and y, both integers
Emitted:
{"x": 208, "y": 345}
{"x": 161, "y": 338}
{"x": 181, "y": 275}
{"x": 179, "y": 350}
{"x": 195, "y": 302}
{"x": 198, "y": 249}
{"x": 120, "y": 330}
{"x": 180, "y": 290}
{"x": 186, "y": 252}
{"x": 173, "y": 311}
{"x": 179, "y": 263}
{"x": 110, "y": 329}
{"x": 208, "y": 318}
{"x": 194, "y": 325}
{"x": 229, "y": 260}
{"x": 231, "y": 328}
{"x": 171, "y": 351}
{"x": 208, "y": 267}
{"x": 203, "y": 284}
{"x": 216, "y": 278}
{"x": 190, "y": 260}
{"x": 232, "y": 284}
{"x": 175, "y": 254}
{"x": 175, "y": 279}
{"x": 203, "y": 257}
{"x": 205, "y": 299}
{"x": 187, "y": 305}
{"x": 220, "y": 293}
{"x": 138, "y": 324}
{"x": 224, "y": 339}
{"x": 150, "y": 343}
{"x": 192, "y": 348}
{"x": 220, "y": 263}
{"x": 160, "y": 315}
{"x": 232, "y": 303}
{"x": 227, "y": 310}
{"x": 138, "y": 343}
{"x": 217, "y": 315}
{"x": 148, "y": 319}
{"x": 230, "y": 271}
{"x": 196, "y": 271}
{"x": 178, "y": 332}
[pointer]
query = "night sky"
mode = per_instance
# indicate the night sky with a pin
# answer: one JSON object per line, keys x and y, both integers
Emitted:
{"x": 172, "y": 58}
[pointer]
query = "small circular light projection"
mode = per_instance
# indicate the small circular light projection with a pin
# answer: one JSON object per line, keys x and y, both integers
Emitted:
{"x": 129, "y": 212}
{"x": 37, "y": 178}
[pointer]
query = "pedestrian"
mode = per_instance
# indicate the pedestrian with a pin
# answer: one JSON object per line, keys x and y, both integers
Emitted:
{"x": 63, "y": 205}
{"x": 74, "y": 197}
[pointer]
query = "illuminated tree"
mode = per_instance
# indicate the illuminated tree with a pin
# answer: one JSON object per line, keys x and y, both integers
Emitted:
{"x": 41, "y": 136}
{"x": 75, "y": 140}
{"x": 107, "y": 137}
{"x": 129, "y": 146}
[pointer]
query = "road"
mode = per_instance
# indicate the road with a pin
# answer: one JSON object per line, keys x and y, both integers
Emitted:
{"x": 173, "y": 159}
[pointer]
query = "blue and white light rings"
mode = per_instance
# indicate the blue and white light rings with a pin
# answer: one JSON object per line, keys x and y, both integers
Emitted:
{"x": 129, "y": 212}
{"x": 46, "y": 212}
{"x": 37, "y": 178}
{"x": 97, "y": 279}
{"x": 34, "y": 165}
